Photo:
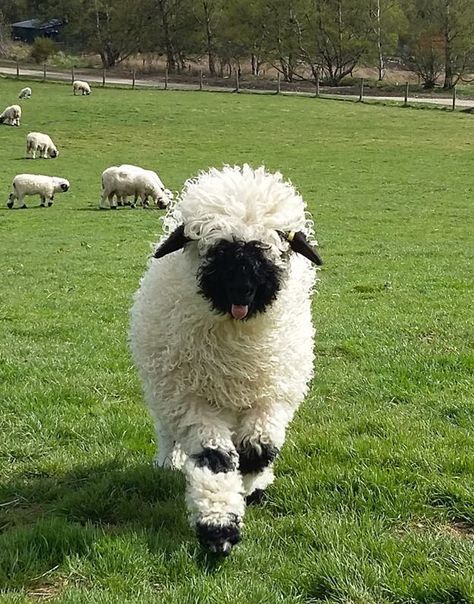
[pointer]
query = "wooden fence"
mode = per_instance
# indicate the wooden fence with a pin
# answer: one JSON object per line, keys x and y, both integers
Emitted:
{"x": 163, "y": 83}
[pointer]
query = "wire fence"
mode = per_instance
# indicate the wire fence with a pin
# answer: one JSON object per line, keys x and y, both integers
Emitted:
{"x": 133, "y": 80}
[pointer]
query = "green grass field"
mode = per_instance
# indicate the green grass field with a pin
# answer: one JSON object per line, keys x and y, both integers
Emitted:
{"x": 374, "y": 497}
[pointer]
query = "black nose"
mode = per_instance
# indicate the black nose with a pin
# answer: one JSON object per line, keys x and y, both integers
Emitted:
{"x": 241, "y": 295}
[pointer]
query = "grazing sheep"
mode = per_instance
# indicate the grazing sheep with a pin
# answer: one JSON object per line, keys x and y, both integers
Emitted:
{"x": 80, "y": 86}
{"x": 11, "y": 115}
{"x": 36, "y": 184}
{"x": 37, "y": 141}
{"x": 222, "y": 335}
{"x": 122, "y": 181}
{"x": 25, "y": 93}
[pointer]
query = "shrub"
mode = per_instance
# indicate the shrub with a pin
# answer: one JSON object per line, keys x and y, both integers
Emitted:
{"x": 42, "y": 49}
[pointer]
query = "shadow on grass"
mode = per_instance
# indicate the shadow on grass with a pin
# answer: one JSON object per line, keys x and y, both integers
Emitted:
{"x": 45, "y": 519}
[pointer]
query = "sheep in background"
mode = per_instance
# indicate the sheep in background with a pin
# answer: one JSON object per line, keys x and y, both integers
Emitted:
{"x": 120, "y": 182}
{"x": 11, "y": 115}
{"x": 36, "y": 184}
{"x": 25, "y": 93}
{"x": 166, "y": 195}
{"x": 222, "y": 335}
{"x": 37, "y": 141}
{"x": 80, "y": 86}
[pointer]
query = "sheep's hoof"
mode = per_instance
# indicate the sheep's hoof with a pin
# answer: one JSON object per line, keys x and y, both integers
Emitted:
{"x": 254, "y": 458}
{"x": 255, "y": 497}
{"x": 50, "y": 203}
{"x": 10, "y": 204}
{"x": 216, "y": 460}
{"x": 218, "y": 539}
{"x": 24, "y": 207}
{"x": 113, "y": 207}
{"x": 42, "y": 205}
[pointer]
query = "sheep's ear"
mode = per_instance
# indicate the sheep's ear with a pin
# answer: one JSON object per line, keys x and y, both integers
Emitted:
{"x": 175, "y": 241}
{"x": 300, "y": 245}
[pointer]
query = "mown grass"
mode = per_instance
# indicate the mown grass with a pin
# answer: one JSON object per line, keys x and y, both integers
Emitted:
{"x": 374, "y": 501}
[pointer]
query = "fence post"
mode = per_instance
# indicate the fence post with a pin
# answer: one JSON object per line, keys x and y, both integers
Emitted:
{"x": 103, "y": 77}
{"x": 278, "y": 83}
{"x": 133, "y": 79}
{"x": 200, "y": 79}
{"x": 237, "y": 83}
{"x": 454, "y": 98}
{"x": 72, "y": 74}
{"x": 405, "y": 102}
{"x": 361, "y": 92}
{"x": 166, "y": 79}
{"x": 317, "y": 83}
{"x": 44, "y": 72}
{"x": 17, "y": 69}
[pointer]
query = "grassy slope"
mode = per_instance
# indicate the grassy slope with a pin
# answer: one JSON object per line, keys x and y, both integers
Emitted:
{"x": 374, "y": 500}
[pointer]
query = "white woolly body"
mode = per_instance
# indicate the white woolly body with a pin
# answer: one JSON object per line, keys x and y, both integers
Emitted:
{"x": 37, "y": 141}
{"x": 210, "y": 380}
{"x": 81, "y": 86}
{"x": 36, "y": 184}
{"x": 25, "y": 93}
{"x": 11, "y": 115}
{"x": 126, "y": 180}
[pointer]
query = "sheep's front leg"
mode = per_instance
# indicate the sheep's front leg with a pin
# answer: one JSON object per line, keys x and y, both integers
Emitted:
{"x": 214, "y": 493}
{"x": 260, "y": 436}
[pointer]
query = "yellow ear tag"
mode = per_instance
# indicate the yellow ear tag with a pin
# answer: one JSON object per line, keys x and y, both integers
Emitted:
{"x": 291, "y": 236}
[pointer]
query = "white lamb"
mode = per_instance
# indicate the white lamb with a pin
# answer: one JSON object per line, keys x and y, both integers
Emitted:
{"x": 80, "y": 86}
{"x": 11, "y": 115}
{"x": 222, "y": 336}
{"x": 41, "y": 143}
{"x": 120, "y": 182}
{"x": 36, "y": 184}
{"x": 25, "y": 93}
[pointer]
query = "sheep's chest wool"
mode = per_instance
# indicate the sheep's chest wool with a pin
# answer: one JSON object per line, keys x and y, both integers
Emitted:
{"x": 221, "y": 333}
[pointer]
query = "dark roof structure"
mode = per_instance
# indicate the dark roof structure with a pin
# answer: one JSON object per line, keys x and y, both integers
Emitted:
{"x": 28, "y": 31}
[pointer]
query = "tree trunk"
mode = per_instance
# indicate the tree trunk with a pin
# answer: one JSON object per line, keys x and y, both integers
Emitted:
{"x": 448, "y": 58}
{"x": 380, "y": 57}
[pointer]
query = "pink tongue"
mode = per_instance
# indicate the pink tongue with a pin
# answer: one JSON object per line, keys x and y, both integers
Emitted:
{"x": 239, "y": 311}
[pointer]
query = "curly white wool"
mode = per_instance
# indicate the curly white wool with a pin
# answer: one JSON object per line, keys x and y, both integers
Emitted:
{"x": 41, "y": 143}
{"x": 210, "y": 381}
{"x": 36, "y": 184}
{"x": 11, "y": 115}
{"x": 81, "y": 86}
{"x": 120, "y": 182}
{"x": 25, "y": 93}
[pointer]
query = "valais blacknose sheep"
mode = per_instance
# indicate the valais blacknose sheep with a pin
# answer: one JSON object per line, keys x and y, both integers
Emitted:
{"x": 222, "y": 336}
{"x": 25, "y": 93}
{"x": 41, "y": 143}
{"x": 36, "y": 184}
{"x": 81, "y": 86}
{"x": 11, "y": 115}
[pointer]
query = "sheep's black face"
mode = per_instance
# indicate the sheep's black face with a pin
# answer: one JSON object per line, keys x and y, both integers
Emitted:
{"x": 64, "y": 186}
{"x": 238, "y": 278}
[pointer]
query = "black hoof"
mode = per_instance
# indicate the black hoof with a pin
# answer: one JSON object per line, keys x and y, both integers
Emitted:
{"x": 113, "y": 207}
{"x": 10, "y": 204}
{"x": 255, "y": 458}
{"x": 256, "y": 497}
{"x": 50, "y": 203}
{"x": 216, "y": 460}
{"x": 218, "y": 539}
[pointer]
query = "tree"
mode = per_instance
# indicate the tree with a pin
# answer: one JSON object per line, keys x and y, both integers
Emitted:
{"x": 333, "y": 36}
{"x": 386, "y": 19}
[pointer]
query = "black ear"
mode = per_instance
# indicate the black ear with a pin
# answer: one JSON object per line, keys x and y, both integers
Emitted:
{"x": 300, "y": 245}
{"x": 175, "y": 241}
